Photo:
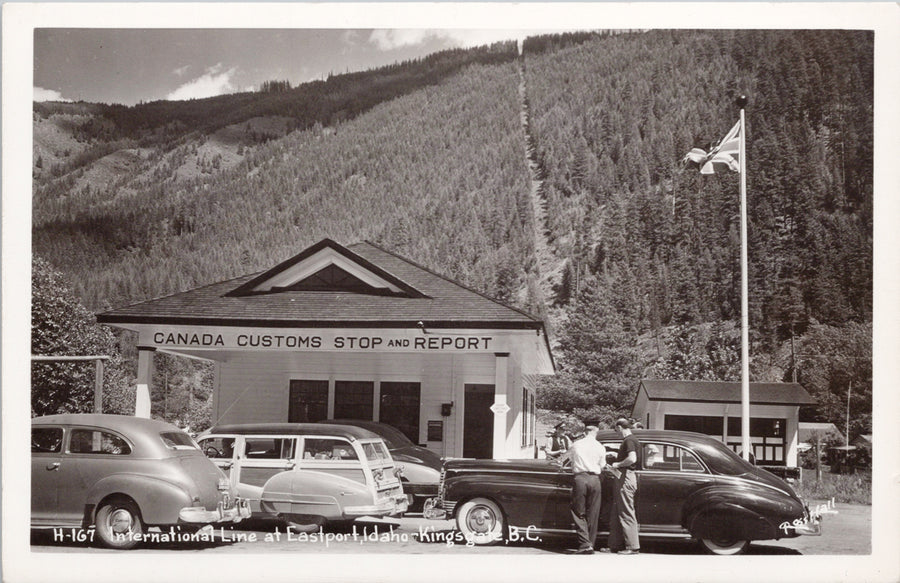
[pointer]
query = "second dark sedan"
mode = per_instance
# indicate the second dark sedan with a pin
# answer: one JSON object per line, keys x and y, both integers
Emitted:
{"x": 421, "y": 466}
{"x": 690, "y": 486}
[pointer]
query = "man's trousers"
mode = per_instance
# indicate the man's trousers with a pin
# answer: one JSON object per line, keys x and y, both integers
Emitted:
{"x": 586, "y": 508}
{"x": 623, "y": 524}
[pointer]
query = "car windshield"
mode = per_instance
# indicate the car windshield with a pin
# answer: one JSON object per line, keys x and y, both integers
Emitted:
{"x": 178, "y": 440}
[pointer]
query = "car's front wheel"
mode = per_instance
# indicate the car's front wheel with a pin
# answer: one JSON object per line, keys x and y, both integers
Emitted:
{"x": 481, "y": 521}
{"x": 118, "y": 524}
{"x": 724, "y": 546}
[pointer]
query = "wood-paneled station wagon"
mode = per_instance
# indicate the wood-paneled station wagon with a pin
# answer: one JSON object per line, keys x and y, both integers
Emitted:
{"x": 690, "y": 486}
{"x": 308, "y": 474}
{"x": 122, "y": 475}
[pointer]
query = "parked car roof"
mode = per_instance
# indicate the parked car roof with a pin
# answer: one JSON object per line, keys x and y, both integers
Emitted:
{"x": 346, "y": 431}
{"x": 676, "y": 437}
{"x": 142, "y": 432}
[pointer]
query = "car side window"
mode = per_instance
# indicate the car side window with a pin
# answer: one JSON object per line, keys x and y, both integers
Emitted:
{"x": 97, "y": 442}
{"x": 661, "y": 457}
{"x": 328, "y": 449}
{"x": 268, "y": 448}
{"x": 46, "y": 439}
{"x": 218, "y": 447}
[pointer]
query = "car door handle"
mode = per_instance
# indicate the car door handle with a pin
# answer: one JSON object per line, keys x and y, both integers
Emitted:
{"x": 52, "y": 466}
{"x": 290, "y": 466}
{"x": 227, "y": 466}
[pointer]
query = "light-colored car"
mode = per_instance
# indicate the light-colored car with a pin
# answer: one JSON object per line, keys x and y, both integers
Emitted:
{"x": 123, "y": 475}
{"x": 308, "y": 474}
{"x": 421, "y": 466}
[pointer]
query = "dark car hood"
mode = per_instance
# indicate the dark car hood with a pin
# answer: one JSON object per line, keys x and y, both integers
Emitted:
{"x": 413, "y": 454}
{"x": 526, "y": 465}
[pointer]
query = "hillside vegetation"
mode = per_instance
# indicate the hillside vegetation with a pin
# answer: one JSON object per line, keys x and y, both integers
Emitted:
{"x": 431, "y": 159}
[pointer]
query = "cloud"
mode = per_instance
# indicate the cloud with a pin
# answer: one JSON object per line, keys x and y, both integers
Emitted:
{"x": 390, "y": 39}
{"x": 180, "y": 71}
{"x": 215, "y": 81}
{"x": 41, "y": 94}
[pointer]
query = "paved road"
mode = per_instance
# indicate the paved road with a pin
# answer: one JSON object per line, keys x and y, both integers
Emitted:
{"x": 846, "y": 533}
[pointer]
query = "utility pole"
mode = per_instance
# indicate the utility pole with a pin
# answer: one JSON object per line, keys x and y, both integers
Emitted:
{"x": 847, "y": 437}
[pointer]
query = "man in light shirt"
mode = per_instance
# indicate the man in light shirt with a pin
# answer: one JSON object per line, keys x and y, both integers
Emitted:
{"x": 588, "y": 456}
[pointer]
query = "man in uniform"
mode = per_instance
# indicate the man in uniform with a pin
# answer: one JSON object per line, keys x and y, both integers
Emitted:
{"x": 559, "y": 442}
{"x": 623, "y": 527}
{"x": 588, "y": 457}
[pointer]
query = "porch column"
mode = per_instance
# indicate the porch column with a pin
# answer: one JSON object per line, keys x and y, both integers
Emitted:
{"x": 500, "y": 406}
{"x": 144, "y": 379}
{"x": 725, "y": 425}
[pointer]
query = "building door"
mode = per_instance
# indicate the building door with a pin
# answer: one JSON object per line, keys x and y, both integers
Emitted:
{"x": 478, "y": 422}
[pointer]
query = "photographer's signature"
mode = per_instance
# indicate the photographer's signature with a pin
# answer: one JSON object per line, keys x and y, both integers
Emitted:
{"x": 814, "y": 515}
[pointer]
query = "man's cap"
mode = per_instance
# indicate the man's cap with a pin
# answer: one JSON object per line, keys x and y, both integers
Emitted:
{"x": 623, "y": 423}
{"x": 592, "y": 422}
{"x": 558, "y": 425}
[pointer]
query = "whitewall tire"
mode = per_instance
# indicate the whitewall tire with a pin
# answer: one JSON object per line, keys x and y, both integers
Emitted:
{"x": 481, "y": 521}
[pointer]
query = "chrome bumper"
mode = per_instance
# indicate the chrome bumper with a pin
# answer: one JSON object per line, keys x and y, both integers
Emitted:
{"x": 812, "y": 528}
{"x": 388, "y": 507}
{"x": 433, "y": 511}
{"x": 200, "y": 515}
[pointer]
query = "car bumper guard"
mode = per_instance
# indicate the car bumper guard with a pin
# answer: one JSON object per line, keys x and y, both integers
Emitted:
{"x": 200, "y": 515}
{"x": 388, "y": 507}
{"x": 433, "y": 510}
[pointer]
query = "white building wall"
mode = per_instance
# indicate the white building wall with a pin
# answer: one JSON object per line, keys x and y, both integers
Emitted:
{"x": 255, "y": 387}
{"x": 659, "y": 409}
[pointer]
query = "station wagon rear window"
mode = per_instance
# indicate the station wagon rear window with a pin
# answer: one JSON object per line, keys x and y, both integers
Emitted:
{"x": 375, "y": 451}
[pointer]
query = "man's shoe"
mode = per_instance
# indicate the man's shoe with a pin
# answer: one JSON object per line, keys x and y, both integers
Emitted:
{"x": 606, "y": 550}
{"x": 630, "y": 552}
{"x": 581, "y": 551}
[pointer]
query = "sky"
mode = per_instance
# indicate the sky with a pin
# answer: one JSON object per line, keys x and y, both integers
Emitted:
{"x": 127, "y": 66}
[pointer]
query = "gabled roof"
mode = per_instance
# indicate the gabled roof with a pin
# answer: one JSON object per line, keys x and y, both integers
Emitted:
{"x": 726, "y": 392}
{"x": 384, "y": 290}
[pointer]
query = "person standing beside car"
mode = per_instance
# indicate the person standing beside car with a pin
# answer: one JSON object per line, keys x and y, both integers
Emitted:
{"x": 559, "y": 442}
{"x": 588, "y": 457}
{"x": 623, "y": 527}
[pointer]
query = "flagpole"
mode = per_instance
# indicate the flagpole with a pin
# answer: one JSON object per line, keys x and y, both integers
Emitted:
{"x": 745, "y": 320}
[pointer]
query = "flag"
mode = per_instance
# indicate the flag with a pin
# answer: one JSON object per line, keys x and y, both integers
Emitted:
{"x": 725, "y": 153}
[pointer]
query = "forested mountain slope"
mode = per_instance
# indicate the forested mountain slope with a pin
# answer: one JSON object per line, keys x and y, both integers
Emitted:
{"x": 658, "y": 244}
{"x": 169, "y": 198}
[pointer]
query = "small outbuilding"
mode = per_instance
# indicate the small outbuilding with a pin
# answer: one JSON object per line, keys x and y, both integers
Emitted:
{"x": 714, "y": 408}
{"x": 356, "y": 332}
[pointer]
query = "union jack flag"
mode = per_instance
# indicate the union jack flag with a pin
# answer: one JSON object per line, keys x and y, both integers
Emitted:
{"x": 727, "y": 152}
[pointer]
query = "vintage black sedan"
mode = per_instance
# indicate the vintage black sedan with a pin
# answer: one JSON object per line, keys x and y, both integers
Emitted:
{"x": 690, "y": 486}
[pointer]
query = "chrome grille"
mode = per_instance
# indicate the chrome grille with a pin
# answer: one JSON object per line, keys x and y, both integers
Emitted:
{"x": 449, "y": 507}
{"x": 440, "y": 492}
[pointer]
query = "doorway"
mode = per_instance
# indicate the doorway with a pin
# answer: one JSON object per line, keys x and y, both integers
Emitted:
{"x": 478, "y": 422}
